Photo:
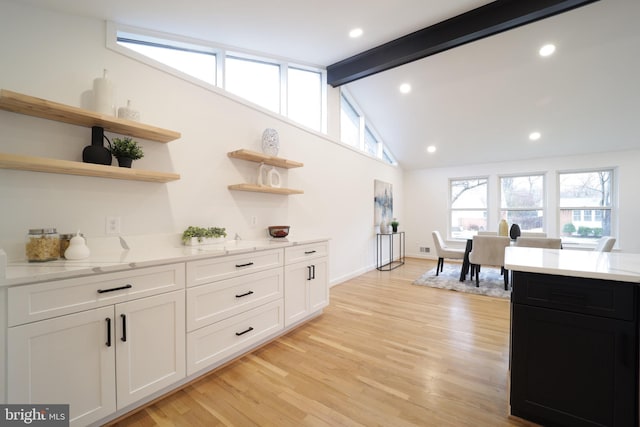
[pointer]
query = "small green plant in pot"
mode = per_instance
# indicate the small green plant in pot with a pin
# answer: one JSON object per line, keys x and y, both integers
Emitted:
{"x": 200, "y": 234}
{"x": 394, "y": 225}
{"x": 126, "y": 150}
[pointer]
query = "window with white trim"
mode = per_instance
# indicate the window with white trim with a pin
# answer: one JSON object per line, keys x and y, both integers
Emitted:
{"x": 357, "y": 132}
{"x": 295, "y": 91}
{"x": 522, "y": 201}
{"x": 586, "y": 209}
{"x": 467, "y": 206}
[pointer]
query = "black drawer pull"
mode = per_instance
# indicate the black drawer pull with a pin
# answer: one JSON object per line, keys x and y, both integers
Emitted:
{"x": 309, "y": 252}
{"x": 108, "y": 331}
{"x": 102, "y": 291}
{"x": 244, "y": 295}
{"x": 124, "y": 327}
{"x": 244, "y": 265}
{"x": 244, "y": 332}
{"x": 309, "y": 272}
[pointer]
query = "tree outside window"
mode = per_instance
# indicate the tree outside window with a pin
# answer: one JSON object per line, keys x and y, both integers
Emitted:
{"x": 468, "y": 207}
{"x": 522, "y": 201}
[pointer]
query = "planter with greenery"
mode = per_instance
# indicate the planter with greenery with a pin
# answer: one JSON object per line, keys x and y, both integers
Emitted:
{"x": 194, "y": 236}
{"x": 394, "y": 225}
{"x": 126, "y": 150}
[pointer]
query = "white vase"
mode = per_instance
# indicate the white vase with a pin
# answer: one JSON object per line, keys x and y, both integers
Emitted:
{"x": 384, "y": 227}
{"x": 103, "y": 95}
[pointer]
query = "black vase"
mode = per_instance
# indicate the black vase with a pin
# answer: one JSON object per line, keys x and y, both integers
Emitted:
{"x": 96, "y": 152}
{"x": 515, "y": 231}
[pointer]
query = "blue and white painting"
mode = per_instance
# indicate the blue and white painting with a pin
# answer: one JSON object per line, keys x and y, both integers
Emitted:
{"x": 382, "y": 202}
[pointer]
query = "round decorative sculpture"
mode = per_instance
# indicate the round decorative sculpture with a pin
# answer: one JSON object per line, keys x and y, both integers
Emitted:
{"x": 270, "y": 142}
{"x": 514, "y": 232}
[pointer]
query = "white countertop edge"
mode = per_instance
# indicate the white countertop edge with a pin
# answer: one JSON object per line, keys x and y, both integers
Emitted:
{"x": 24, "y": 272}
{"x": 623, "y": 267}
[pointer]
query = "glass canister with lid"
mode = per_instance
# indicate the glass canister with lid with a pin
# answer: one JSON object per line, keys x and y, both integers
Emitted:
{"x": 43, "y": 244}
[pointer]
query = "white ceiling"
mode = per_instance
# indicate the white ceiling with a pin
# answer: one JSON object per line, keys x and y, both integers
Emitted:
{"x": 476, "y": 103}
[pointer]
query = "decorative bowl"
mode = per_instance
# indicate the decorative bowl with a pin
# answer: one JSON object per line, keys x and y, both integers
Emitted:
{"x": 278, "y": 231}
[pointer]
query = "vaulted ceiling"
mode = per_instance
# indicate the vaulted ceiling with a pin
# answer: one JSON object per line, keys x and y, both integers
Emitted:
{"x": 475, "y": 103}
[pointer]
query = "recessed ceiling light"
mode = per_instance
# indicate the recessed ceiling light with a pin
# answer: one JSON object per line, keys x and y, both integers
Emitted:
{"x": 547, "y": 50}
{"x": 431, "y": 149}
{"x": 356, "y": 32}
{"x": 405, "y": 88}
{"x": 534, "y": 136}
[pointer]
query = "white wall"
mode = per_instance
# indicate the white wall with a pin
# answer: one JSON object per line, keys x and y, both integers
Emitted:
{"x": 426, "y": 207}
{"x": 56, "y": 57}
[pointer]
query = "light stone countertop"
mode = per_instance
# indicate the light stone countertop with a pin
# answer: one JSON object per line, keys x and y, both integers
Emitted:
{"x": 623, "y": 267}
{"x": 108, "y": 255}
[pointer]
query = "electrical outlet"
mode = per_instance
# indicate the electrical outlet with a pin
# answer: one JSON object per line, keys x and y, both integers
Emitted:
{"x": 112, "y": 225}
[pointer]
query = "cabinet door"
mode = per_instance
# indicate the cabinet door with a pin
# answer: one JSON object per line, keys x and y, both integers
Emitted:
{"x": 150, "y": 351}
{"x": 319, "y": 285}
{"x": 68, "y": 360}
{"x": 305, "y": 289}
{"x": 572, "y": 369}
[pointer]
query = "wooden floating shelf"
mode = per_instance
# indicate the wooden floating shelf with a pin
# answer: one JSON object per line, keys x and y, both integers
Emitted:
{"x": 261, "y": 189}
{"x": 254, "y": 156}
{"x": 41, "y": 164}
{"x": 37, "y": 107}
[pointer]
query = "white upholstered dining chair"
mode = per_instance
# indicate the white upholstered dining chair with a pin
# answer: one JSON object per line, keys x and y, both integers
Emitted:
{"x": 443, "y": 251}
{"x": 539, "y": 242}
{"x": 605, "y": 244}
{"x": 488, "y": 250}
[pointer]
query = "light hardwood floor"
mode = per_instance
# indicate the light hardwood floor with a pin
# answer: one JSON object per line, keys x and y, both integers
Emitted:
{"x": 384, "y": 353}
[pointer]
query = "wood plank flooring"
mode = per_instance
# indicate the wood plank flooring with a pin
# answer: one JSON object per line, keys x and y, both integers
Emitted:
{"x": 384, "y": 353}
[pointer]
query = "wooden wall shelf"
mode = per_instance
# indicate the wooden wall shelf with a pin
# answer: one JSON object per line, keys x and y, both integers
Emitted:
{"x": 41, "y": 164}
{"x": 260, "y": 189}
{"x": 37, "y": 107}
{"x": 254, "y": 156}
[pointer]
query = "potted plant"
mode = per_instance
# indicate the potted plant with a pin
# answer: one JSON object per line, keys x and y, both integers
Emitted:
{"x": 194, "y": 236}
{"x": 126, "y": 150}
{"x": 394, "y": 225}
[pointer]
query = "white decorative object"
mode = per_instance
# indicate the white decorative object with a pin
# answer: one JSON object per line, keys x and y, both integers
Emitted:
{"x": 204, "y": 241}
{"x": 262, "y": 182}
{"x": 77, "y": 249}
{"x": 103, "y": 95}
{"x": 270, "y": 142}
{"x": 129, "y": 113}
{"x": 274, "y": 178}
{"x": 384, "y": 228}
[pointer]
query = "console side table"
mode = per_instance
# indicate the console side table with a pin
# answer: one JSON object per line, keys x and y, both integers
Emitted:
{"x": 389, "y": 239}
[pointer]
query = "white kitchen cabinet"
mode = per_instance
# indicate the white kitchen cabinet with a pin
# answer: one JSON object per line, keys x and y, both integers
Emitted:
{"x": 102, "y": 359}
{"x": 306, "y": 282}
{"x": 150, "y": 345}
{"x": 65, "y": 360}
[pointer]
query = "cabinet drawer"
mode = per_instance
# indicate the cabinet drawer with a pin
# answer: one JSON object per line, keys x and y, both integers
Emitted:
{"x": 45, "y": 300}
{"x": 298, "y": 253}
{"x": 215, "y": 301}
{"x": 231, "y": 337}
{"x": 226, "y": 267}
{"x": 604, "y": 298}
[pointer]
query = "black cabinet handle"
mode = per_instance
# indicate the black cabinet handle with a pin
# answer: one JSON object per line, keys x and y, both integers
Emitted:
{"x": 313, "y": 269}
{"x": 308, "y": 272}
{"x": 244, "y": 265}
{"x": 309, "y": 252}
{"x": 108, "y": 331}
{"x": 244, "y": 295}
{"x": 102, "y": 291}
{"x": 124, "y": 328}
{"x": 244, "y": 332}
{"x": 623, "y": 349}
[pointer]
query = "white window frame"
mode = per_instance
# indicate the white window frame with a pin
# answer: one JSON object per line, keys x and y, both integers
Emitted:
{"x": 613, "y": 208}
{"x": 221, "y": 52}
{"x": 451, "y": 209}
{"x": 543, "y": 208}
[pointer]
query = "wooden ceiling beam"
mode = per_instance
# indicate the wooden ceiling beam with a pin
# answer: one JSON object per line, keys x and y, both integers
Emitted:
{"x": 487, "y": 20}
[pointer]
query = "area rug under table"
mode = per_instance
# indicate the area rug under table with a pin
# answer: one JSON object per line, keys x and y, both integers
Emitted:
{"x": 491, "y": 281}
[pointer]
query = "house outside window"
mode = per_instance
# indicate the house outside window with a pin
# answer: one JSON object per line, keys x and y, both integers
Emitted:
{"x": 467, "y": 207}
{"x": 589, "y": 193}
{"x": 522, "y": 201}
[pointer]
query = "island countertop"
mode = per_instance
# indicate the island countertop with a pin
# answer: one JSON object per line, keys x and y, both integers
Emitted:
{"x": 624, "y": 267}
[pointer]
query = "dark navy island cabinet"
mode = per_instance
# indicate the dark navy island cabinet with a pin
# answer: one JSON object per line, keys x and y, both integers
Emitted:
{"x": 574, "y": 351}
